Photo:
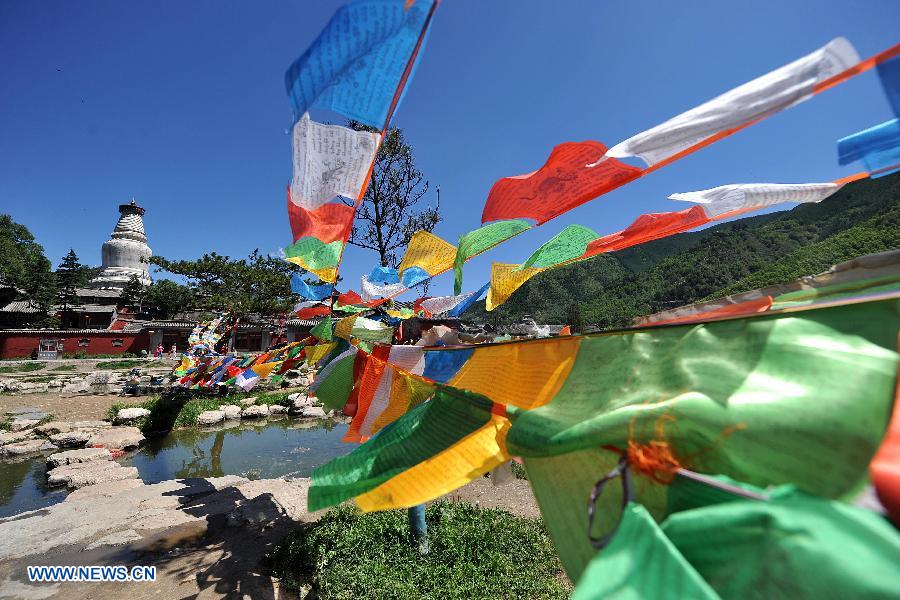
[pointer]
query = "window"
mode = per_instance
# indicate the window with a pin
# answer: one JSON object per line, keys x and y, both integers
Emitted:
{"x": 117, "y": 343}
{"x": 83, "y": 342}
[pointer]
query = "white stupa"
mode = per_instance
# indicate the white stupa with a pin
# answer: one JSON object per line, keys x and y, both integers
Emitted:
{"x": 126, "y": 252}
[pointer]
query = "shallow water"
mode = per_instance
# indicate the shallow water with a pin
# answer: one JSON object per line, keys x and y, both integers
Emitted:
{"x": 253, "y": 449}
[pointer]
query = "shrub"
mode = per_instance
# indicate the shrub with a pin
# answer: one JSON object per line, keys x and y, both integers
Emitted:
{"x": 475, "y": 553}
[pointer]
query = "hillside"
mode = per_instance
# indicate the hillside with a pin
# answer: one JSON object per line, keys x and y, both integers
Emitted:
{"x": 610, "y": 290}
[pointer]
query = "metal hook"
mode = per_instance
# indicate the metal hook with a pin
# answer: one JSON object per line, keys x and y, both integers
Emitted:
{"x": 620, "y": 471}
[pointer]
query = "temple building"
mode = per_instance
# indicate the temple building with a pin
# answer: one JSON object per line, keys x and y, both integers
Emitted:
{"x": 126, "y": 252}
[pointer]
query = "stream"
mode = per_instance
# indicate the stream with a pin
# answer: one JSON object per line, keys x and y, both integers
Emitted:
{"x": 252, "y": 449}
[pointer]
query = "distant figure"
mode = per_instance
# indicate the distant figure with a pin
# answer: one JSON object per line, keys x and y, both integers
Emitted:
{"x": 174, "y": 351}
{"x": 159, "y": 351}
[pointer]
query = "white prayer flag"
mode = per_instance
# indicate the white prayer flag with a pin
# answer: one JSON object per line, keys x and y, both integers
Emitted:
{"x": 773, "y": 92}
{"x": 329, "y": 160}
{"x": 372, "y": 291}
{"x": 742, "y": 196}
{"x": 444, "y": 303}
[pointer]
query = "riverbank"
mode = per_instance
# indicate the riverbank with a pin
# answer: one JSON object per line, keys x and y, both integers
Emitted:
{"x": 206, "y": 537}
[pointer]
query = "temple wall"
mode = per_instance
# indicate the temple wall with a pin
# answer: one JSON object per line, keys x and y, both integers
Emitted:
{"x": 20, "y": 343}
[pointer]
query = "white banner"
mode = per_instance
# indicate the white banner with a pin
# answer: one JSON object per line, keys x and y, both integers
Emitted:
{"x": 739, "y": 196}
{"x": 329, "y": 160}
{"x": 761, "y": 97}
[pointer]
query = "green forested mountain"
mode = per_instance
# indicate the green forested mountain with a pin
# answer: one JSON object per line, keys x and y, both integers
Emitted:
{"x": 612, "y": 289}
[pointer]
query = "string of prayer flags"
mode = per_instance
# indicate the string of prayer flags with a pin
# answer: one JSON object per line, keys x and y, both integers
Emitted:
{"x": 360, "y": 62}
{"x": 741, "y": 106}
{"x": 442, "y": 304}
{"x": 877, "y": 147}
{"x": 309, "y": 292}
{"x": 575, "y": 409}
{"x": 329, "y": 161}
{"x": 575, "y": 173}
{"x": 577, "y": 243}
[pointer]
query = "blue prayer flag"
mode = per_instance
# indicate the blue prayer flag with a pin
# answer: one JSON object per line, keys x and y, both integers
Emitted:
{"x": 358, "y": 62}
{"x": 878, "y": 147}
{"x": 465, "y": 304}
{"x": 889, "y": 73}
{"x": 310, "y": 292}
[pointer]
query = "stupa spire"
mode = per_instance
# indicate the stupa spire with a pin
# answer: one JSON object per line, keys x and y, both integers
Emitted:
{"x": 126, "y": 251}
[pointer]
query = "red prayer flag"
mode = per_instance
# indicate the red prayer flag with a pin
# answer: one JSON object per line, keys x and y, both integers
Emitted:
{"x": 328, "y": 223}
{"x": 645, "y": 228}
{"x": 564, "y": 182}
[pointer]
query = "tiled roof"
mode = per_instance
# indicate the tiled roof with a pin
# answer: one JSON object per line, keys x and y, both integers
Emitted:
{"x": 21, "y": 306}
{"x": 98, "y": 293}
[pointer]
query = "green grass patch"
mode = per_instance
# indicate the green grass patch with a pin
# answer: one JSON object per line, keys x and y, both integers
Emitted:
{"x": 475, "y": 553}
{"x": 64, "y": 368}
{"x": 39, "y": 378}
{"x": 23, "y": 368}
{"x": 518, "y": 470}
{"x": 121, "y": 364}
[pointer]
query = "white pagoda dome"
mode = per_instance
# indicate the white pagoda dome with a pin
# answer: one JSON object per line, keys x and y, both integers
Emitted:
{"x": 126, "y": 252}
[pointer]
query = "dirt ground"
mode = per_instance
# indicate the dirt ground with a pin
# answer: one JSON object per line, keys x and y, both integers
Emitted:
{"x": 63, "y": 408}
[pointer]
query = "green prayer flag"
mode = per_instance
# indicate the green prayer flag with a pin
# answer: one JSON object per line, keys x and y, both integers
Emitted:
{"x": 476, "y": 242}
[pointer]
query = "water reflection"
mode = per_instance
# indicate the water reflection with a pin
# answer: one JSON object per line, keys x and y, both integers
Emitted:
{"x": 252, "y": 449}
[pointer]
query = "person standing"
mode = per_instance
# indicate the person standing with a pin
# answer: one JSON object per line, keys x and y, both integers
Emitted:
{"x": 174, "y": 351}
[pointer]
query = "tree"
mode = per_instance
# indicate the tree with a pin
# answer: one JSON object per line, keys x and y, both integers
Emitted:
{"x": 258, "y": 285}
{"x": 23, "y": 265}
{"x": 574, "y": 320}
{"x": 164, "y": 298}
{"x": 389, "y": 213}
{"x": 134, "y": 292}
{"x": 70, "y": 275}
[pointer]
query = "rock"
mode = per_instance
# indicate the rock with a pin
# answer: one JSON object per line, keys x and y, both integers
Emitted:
{"x": 104, "y": 490}
{"x": 97, "y": 377}
{"x": 117, "y": 438}
{"x": 15, "y": 436}
{"x": 277, "y": 409}
{"x": 71, "y": 439}
{"x": 127, "y": 415}
{"x": 23, "y": 410}
{"x": 232, "y": 411}
{"x": 20, "y": 424}
{"x": 90, "y": 424}
{"x": 255, "y": 412}
{"x": 26, "y": 447}
{"x": 55, "y": 383}
{"x": 10, "y": 385}
{"x": 53, "y": 427}
{"x": 210, "y": 417}
{"x": 293, "y": 398}
{"x": 313, "y": 412}
{"x": 78, "y": 456}
{"x": 79, "y": 475}
{"x": 248, "y": 401}
{"x": 76, "y": 387}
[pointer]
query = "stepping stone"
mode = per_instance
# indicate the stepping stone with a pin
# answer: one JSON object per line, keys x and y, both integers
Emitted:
{"x": 53, "y": 427}
{"x": 277, "y": 409}
{"x": 117, "y": 438}
{"x": 126, "y": 415}
{"x": 78, "y": 456}
{"x": 248, "y": 401}
{"x": 15, "y": 436}
{"x": 26, "y": 447}
{"x": 79, "y": 475}
{"x": 71, "y": 439}
{"x": 22, "y": 424}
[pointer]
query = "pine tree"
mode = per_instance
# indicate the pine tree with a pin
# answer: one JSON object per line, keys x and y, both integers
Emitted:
{"x": 134, "y": 292}
{"x": 70, "y": 275}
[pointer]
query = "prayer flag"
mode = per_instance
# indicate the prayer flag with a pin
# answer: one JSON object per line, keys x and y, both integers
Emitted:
{"x": 878, "y": 147}
{"x": 307, "y": 291}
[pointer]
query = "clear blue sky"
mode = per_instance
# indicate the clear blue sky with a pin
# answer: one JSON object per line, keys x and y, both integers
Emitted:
{"x": 182, "y": 105}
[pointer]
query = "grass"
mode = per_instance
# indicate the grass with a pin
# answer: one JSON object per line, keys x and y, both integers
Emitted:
{"x": 64, "y": 368}
{"x": 121, "y": 364}
{"x": 170, "y": 411}
{"x": 24, "y": 368}
{"x": 39, "y": 378}
{"x": 475, "y": 553}
{"x": 518, "y": 470}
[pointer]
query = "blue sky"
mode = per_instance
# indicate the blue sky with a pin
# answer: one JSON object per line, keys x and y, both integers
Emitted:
{"x": 182, "y": 105}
